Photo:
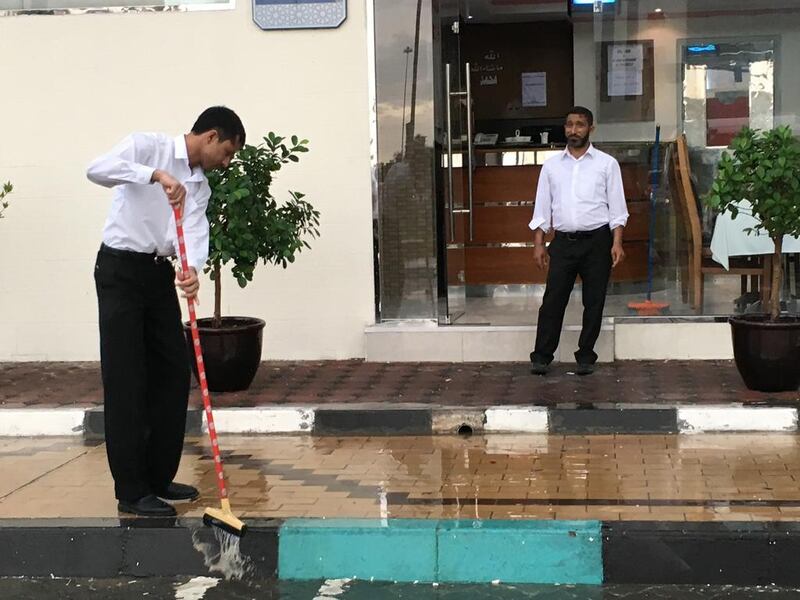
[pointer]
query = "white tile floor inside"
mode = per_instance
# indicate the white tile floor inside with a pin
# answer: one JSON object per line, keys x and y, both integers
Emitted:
{"x": 516, "y": 305}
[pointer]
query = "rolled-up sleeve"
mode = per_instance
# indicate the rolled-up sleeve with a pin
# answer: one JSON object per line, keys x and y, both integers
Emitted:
{"x": 617, "y": 208}
{"x": 196, "y": 229}
{"x": 543, "y": 205}
{"x": 125, "y": 163}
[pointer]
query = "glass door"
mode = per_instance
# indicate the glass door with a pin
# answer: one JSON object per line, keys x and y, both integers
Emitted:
{"x": 455, "y": 163}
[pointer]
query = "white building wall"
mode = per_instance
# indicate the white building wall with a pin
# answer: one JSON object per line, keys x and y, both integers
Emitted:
{"x": 72, "y": 86}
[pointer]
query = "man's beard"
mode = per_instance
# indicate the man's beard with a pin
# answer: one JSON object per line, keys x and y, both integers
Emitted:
{"x": 577, "y": 141}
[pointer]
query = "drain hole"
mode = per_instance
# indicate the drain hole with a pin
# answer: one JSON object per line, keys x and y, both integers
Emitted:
{"x": 465, "y": 429}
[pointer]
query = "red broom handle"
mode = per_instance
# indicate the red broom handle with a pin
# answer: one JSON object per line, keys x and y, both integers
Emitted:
{"x": 201, "y": 369}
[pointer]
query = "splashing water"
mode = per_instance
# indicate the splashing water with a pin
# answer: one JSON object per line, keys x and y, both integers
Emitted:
{"x": 195, "y": 588}
{"x": 332, "y": 588}
{"x": 224, "y": 557}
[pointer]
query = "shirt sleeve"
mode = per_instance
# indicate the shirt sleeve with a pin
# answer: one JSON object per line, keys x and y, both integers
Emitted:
{"x": 196, "y": 229}
{"x": 543, "y": 206}
{"x": 617, "y": 208}
{"x": 125, "y": 163}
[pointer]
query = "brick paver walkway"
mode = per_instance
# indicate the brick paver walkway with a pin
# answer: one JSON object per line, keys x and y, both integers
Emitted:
{"x": 447, "y": 384}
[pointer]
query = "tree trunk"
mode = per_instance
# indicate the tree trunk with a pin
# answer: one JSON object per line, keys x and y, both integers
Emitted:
{"x": 777, "y": 278}
{"x": 410, "y": 130}
{"x": 217, "y": 322}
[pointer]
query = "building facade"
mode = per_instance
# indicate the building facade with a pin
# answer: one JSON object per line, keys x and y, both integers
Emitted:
{"x": 428, "y": 123}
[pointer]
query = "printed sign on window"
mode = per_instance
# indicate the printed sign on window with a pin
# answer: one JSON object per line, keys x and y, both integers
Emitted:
{"x": 534, "y": 89}
{"x": 626, "y": 62}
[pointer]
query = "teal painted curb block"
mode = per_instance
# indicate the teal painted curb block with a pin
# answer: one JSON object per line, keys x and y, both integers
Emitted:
{"x": 522, "y": 551}
{"x": 393, "y": 550}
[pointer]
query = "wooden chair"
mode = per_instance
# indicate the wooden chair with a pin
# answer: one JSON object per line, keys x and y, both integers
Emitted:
{"x": 700, "y": 262}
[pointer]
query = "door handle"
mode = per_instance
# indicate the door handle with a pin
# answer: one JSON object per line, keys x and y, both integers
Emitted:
{"x": 469, "y": 151}
{"x": 449, "y": 154}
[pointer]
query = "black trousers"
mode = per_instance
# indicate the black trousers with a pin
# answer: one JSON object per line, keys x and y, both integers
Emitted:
{"x": 590, "y": 257}
{"x": 145, "y": 367}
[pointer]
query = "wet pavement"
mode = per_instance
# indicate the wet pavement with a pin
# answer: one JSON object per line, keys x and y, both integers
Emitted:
{"x": 202, "y": 588}
{"x": 315, "y": 383}
{"x": 710, "y": 477}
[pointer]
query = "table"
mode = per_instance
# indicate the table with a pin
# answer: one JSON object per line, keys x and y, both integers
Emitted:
{"x": 730, "y": 239}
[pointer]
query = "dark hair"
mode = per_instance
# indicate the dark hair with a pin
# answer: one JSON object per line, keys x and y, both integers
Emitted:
{"x": 224, "y": 121}
{"x": 583, "y": 111}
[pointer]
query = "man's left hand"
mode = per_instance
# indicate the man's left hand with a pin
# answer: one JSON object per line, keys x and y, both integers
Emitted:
{"x": 617, "y": 254}
{"x": 188, "y": 282}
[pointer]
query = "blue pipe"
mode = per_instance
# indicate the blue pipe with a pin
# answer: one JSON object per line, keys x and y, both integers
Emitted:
{"x": 653, "y": 187}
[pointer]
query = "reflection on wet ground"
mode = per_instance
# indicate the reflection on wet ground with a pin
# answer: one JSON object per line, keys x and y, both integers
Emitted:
{"x": 651, "y": 477}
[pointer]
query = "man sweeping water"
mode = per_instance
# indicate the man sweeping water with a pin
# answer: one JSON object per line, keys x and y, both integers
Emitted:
{"x": 144, "y": 360}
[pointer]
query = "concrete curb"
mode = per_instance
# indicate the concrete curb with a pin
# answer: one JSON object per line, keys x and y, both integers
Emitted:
{"x": 410, "y": 419}
{"x": 103, "y": 548}
{"x": 447, "y": 551}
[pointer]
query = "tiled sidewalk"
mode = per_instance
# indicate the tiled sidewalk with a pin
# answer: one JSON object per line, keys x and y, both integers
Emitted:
{"x": 739, "y": 477}
{"x": 445, "y": 384}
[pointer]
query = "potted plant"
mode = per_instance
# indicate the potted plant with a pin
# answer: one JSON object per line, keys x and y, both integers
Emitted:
{"x": 248, "y": 225}
{"x": 763, "y": 171}
{"x": 5, "y": 190}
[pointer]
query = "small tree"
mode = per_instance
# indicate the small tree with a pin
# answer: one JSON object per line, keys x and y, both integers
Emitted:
{"x": 246, "y": 222}
{"x": 5, "y": 190}
{"x": 764, "y": 170}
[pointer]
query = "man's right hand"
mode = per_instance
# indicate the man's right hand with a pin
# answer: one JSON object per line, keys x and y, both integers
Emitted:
{"x": 176, "y": 193}
{"x": 540, "y": 256}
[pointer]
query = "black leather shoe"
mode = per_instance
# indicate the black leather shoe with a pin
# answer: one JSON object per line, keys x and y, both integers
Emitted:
{"x": 148, "y": 506}
{"x": 178, "y": 491}
{"x": 584, "y": 369}
{"x": 539, "y": 368}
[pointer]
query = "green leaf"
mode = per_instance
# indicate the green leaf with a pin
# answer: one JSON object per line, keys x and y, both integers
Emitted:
{"x": 247, "y": 225}
{"x": 763, "y": 169}
{"x": 5, "y": 190}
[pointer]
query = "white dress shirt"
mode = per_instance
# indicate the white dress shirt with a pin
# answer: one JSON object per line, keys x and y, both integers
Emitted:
{"x": 140, "y": 218}
{"x": 579, "y": 194}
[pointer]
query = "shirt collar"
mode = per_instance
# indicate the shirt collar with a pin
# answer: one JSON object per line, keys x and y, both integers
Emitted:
{"x": 182, "y": 153}
{"x": 590, "y": 151}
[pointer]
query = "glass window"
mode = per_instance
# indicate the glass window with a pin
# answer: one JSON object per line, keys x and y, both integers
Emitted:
{"x": 406, "y": 217}
{"x": 727, "y": 84}
{"x": 493, "y": 83}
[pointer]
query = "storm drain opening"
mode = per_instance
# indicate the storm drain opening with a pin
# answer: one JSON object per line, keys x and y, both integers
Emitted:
{"x": 465, "y": 430}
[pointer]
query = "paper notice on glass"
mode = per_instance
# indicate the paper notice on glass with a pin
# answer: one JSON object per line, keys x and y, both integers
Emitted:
{"x": 625, "y": 64}
{"x": 534, "y": 89}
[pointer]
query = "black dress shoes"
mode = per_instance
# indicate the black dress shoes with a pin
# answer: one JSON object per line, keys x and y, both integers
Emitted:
{"x": 584, "y": 369}
{"x": 178, "y": 491}
{"x": 539, "y": 368}
{"x": 147, "y": 506}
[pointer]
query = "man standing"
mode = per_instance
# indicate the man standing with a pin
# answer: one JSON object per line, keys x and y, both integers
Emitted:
{"x": 580, "y": 195}
{"x": 144, "y": 359}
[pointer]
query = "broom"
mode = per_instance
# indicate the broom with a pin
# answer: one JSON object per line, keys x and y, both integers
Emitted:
{"x": 221, "y": 517}
{"x": 648, "y": 308}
